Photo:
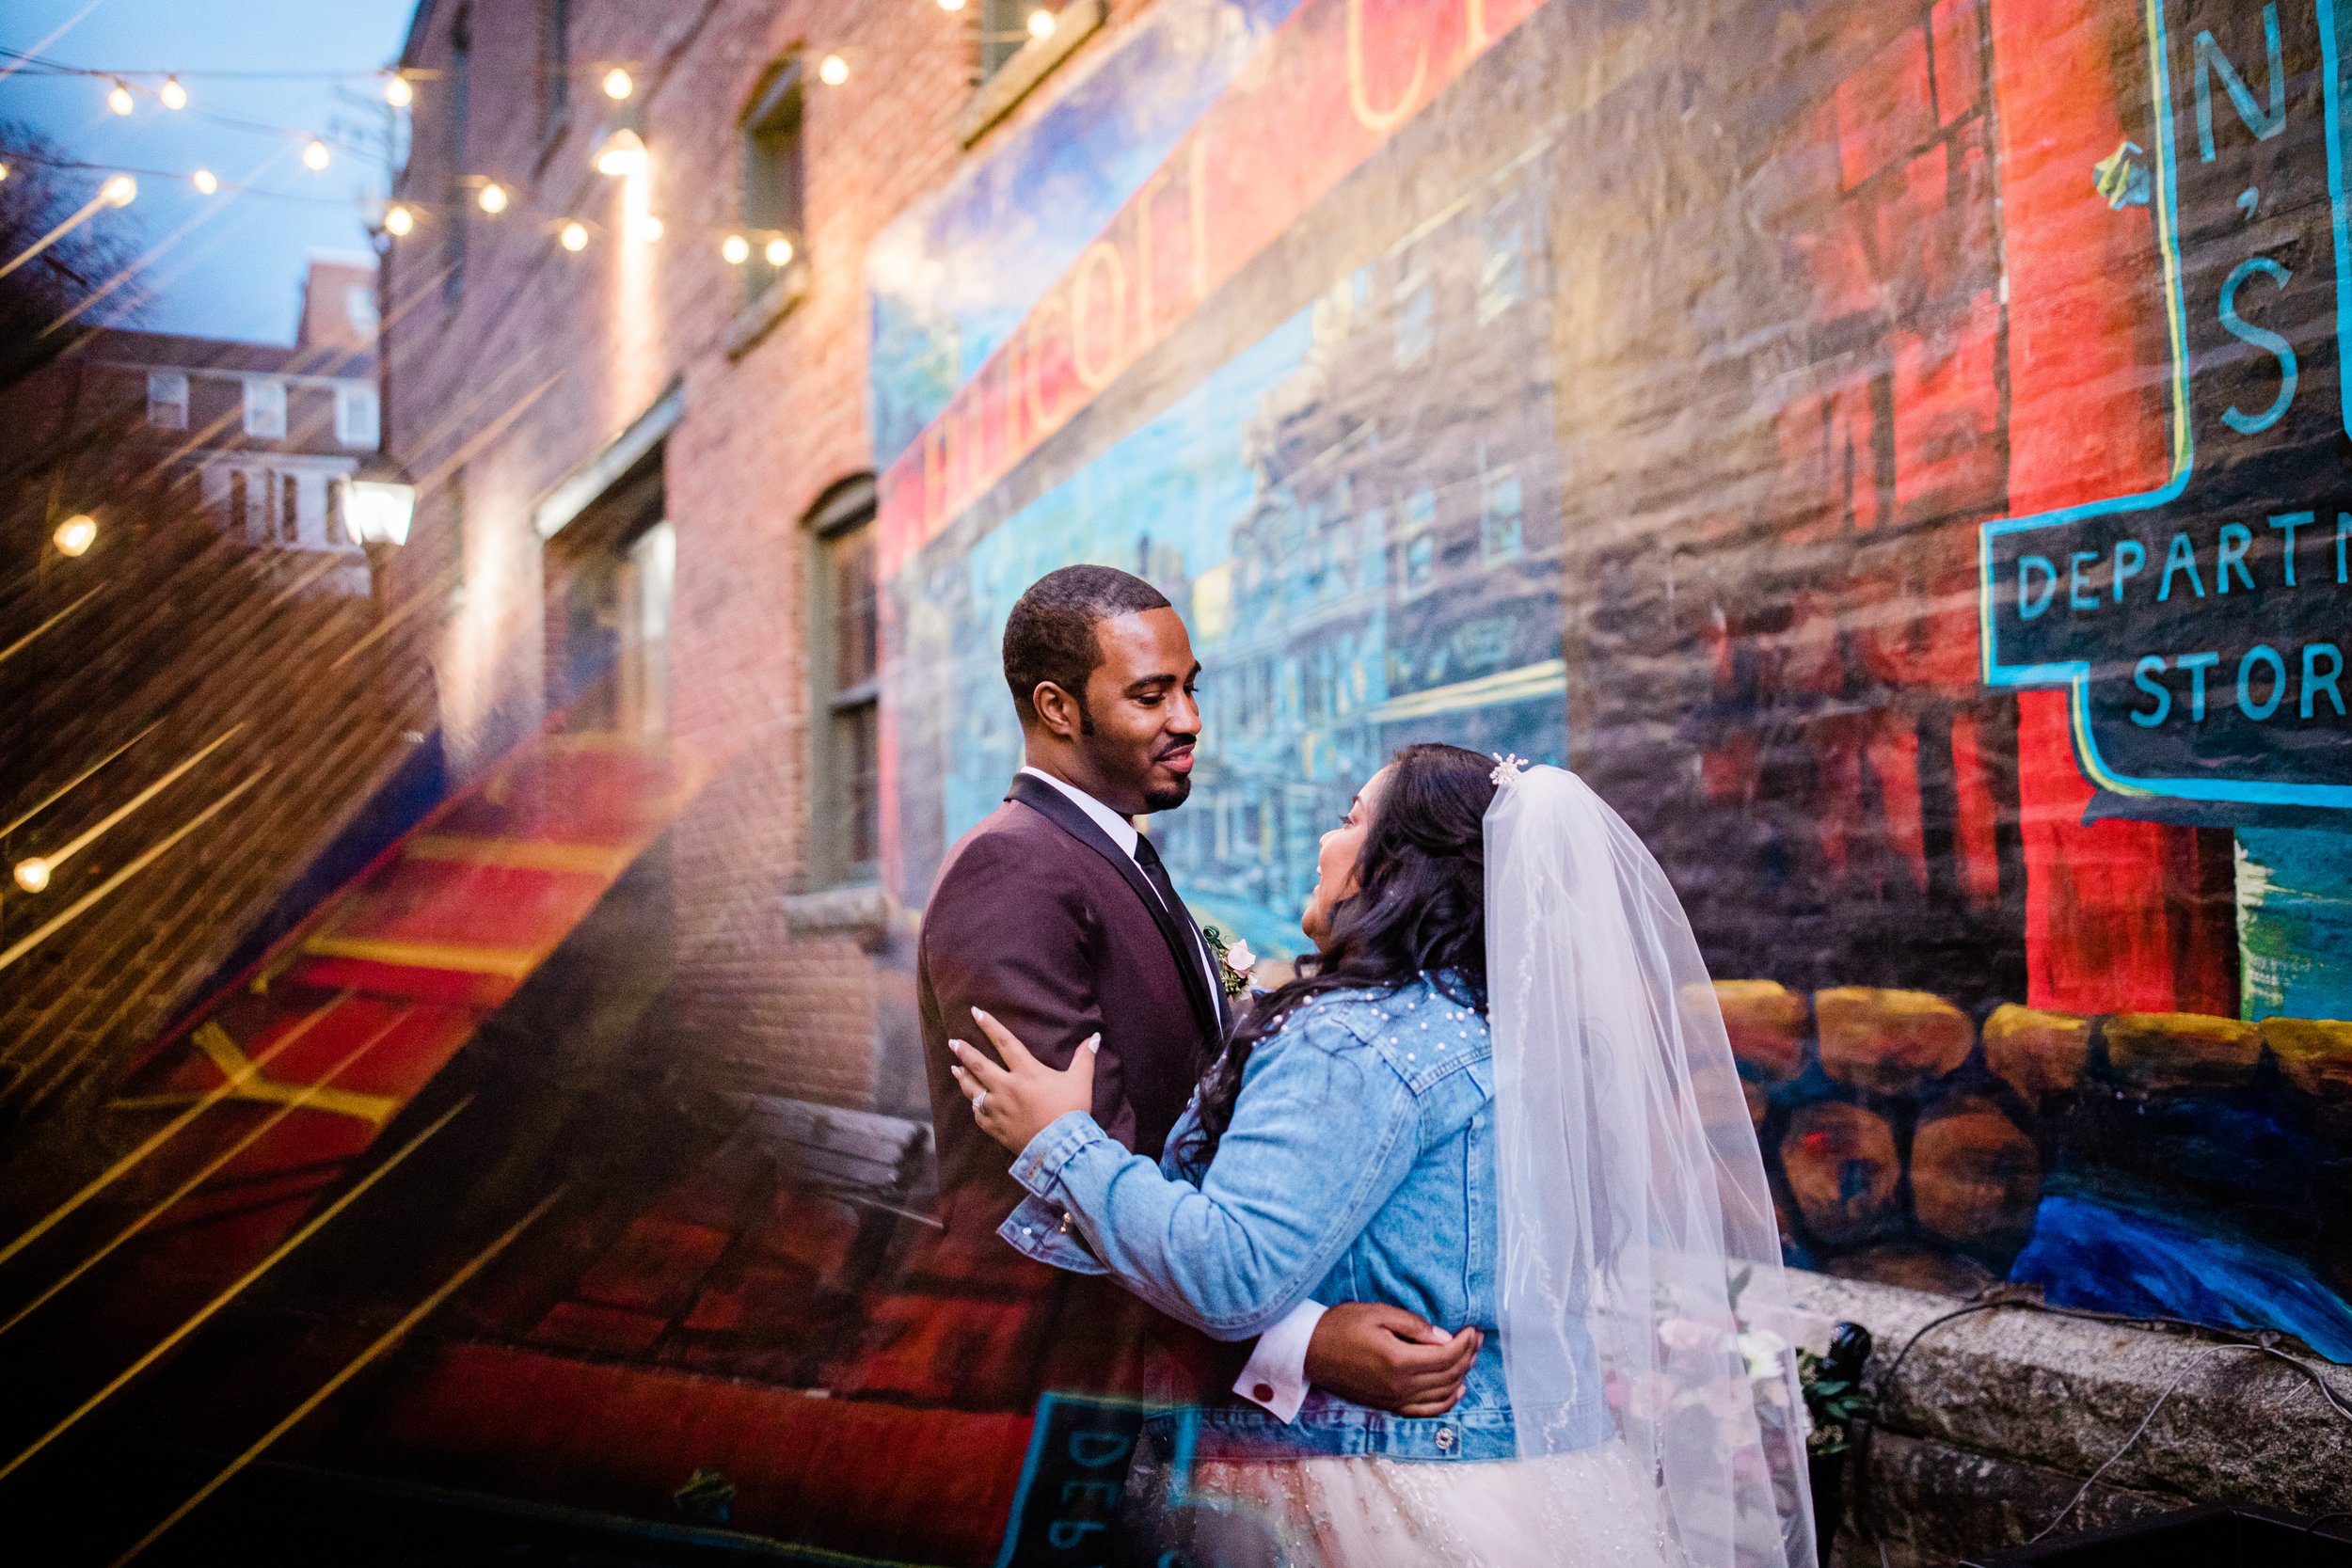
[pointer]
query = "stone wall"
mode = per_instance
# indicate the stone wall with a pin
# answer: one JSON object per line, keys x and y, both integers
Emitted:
{"x": 1995, "y": 1421}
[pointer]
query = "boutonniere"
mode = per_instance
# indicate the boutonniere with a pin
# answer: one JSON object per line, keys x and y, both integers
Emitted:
{"x": 1234, "y": 960}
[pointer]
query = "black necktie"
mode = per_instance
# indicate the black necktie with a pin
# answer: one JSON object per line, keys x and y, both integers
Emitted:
{"x": 1156, "y": 874}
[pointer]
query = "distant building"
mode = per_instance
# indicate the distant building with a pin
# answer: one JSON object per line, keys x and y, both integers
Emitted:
{"x": 261, "y": 438}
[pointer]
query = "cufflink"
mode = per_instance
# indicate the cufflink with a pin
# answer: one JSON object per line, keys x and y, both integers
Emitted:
{"x": 1263, "y": 1393}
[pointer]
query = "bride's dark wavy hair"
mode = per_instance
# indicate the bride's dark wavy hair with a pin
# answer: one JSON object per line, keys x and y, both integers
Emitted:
{"x": 1420, "y": 909}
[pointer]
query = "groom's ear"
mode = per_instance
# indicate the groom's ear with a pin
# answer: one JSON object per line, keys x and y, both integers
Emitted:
{"x": 1058, "y": 711}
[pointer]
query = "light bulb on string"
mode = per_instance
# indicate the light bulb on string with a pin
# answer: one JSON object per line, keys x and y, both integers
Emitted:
{"x": 618, "y": 85}
{"x": 32, "y": 874}
{"x": 779, "y": 252}
{"x": 833, "y": 70}
{"x": 119, "y": 190}
{"x": 574, "y": 236}
{"x": 173, "y": 94}
{"x": 736, "y": 249}
{"x": 1040, "y": 24}
{"x": 205, "y": 181}
{"x": 314, "y": 154}
{"x": 398, "y": 220}
{"x": 397, "y": 93}
{"x": 3, "y": 171}
{"x": 951, "y": 5}
{"x": 119, "y": 99}
{"x": 644, "y": 229}
{"x": 76, "y": 534}
{"x": 621, "y": 153}
{"x": 493, "y": 198}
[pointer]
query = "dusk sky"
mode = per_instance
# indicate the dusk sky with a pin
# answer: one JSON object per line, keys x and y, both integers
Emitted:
{"x": 236, "y": 270}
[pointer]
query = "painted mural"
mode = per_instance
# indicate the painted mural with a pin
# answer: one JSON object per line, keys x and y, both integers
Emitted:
{"x": 1895, "y": 452}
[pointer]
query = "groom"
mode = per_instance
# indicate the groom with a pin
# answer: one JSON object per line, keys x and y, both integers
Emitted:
{"x": 1057, "y": 918}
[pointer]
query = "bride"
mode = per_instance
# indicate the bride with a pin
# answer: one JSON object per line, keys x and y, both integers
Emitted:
{"x": 1498, "y": 1095}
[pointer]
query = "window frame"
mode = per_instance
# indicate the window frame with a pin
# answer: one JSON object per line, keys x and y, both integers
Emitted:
{"x": 769, "y": 207}
{"x": 352, "y": 395}
{"x": 267, "y": 409}
{"x": 555, "y": 63}
{"x": 177, "y": 405}
{"x": 846, "y": 515}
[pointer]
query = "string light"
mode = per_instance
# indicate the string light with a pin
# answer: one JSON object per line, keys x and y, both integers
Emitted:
{"x": 173, "y": 94}
{"x": 398, "y": 220}
{"x": 493, "y": 198}
{"x": 736, "y": 248}
{"x": 778, "y": 252}
{"x": 32, "y": 874}
{"x": 833, "y": 70}
{"x": 1040, "y": 24}
{"x": 644, "y": 229}
{"x": 616, "y": 83}
{"x": 397, "y": 93}
{"x": 119, "y": 99}
{"x": 119, "y": 190}
{"x": 77, "y": 533}
{"x": 314, "y": 155}
{"x": 575, "y": 236}
{"x": 3, "y": 171}
{"x": 205, "y": 181}
{"x": 621, "y": 153}
{"x": 951, "y": 5}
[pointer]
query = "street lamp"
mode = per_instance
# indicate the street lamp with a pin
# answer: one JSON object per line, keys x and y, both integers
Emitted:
{"x": 380, "y": 501}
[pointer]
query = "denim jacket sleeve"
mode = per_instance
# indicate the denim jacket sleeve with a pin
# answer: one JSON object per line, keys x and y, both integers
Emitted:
{"x": 1322, "y": 1133}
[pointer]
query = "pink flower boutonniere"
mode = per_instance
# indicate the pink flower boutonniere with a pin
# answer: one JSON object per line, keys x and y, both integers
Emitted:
{"x": 1234, "y": 960}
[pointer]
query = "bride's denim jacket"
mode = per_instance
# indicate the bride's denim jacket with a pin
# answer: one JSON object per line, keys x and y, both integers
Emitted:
{"x": 1359, "y": 1167}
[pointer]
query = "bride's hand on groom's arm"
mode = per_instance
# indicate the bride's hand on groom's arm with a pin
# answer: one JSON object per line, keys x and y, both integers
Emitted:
{"x": 1017, "y": 1100}
{"x": 1374, "y": 1355}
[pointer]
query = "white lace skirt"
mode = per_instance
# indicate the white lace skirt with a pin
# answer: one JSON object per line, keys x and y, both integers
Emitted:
{"x": 1583, "y": 1509}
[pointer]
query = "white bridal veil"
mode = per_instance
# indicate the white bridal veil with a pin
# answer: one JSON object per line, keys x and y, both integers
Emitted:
{"x": 1638, "y": 1242}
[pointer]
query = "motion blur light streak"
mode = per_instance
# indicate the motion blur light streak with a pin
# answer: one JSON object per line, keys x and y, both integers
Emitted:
{"x": 358, "y": 1364}
{"x": 205, "y": 1173}
{"x": 180, "y": 1123}
{"x": 119, "y": 191}
{"x": 205, "y": 1313}
{"x": 105, "y": 824}
{"x": 77, "y": 781}
{"x": 74, "y": 911}
{"x": 26, "y": 641}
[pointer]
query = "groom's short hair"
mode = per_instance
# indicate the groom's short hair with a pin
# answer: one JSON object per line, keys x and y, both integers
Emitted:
{"x": 1050, "y": 634}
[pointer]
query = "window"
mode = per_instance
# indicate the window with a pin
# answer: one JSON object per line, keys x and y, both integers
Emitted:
{"x": 289, "y": 509}
{"x": 265, "y": 408}
{"x": 355, "y": 421}
{"x": 844, "y": 660}
{"x": 168, "y": 400}
{"x": 240, "y": 505}
{"x": 359, "y": 309}
{"x": 555, "y": 65}
{"x": 456, "y": 199}
{"x": 772, "y": 175}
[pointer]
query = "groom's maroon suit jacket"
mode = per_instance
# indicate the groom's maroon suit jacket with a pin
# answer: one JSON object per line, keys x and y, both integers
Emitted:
{"x": 1037, "y": 917}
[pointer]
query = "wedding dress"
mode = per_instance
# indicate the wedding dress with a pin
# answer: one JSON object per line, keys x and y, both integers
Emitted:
{"x": 1634, "y": 1220}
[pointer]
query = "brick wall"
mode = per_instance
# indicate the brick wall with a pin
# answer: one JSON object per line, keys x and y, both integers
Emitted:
{"x": 496, "y": 396}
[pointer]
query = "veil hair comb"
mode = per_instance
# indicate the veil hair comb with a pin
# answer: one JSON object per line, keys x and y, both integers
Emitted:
{"x": 1638, "y": 1245}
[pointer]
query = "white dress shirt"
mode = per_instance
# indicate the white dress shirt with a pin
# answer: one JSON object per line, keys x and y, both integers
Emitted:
{"x": 1276, "y": 1376}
